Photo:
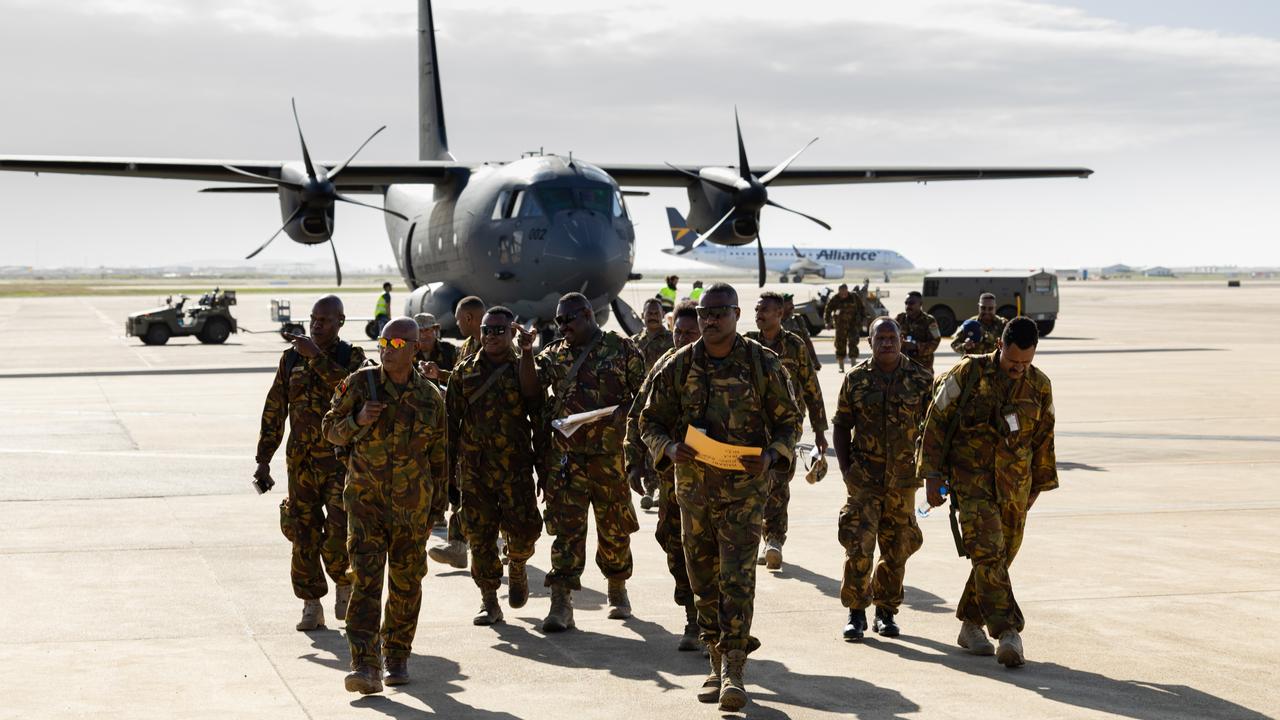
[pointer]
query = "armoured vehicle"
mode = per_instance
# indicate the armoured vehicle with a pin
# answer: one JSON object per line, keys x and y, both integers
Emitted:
{"x": 812, "y": 311}
{"x": 952, "y": 296}
{"x": 209, "y": 319}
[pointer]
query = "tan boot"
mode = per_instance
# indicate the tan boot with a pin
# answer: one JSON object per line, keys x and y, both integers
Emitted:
{"x": 453, "y": 553}
{"x": 1010, "y": 653}
{"x": 517, "y": 585}
{"x": 689, "y": 640}
{"x": 710, "y": 691}
{"x": 974, "y": 639}
{"x": 733, "y": 695}
{"x": 312, "y": 616}
{"x": 561, "y": 616}
{"x": 773, "y": 554}
{"x": 619, "y": 603}
{"x": 365, "y": 680}
{"x": 490, "y": 611}
{"x": 397, "y": 671}
{"x": 341, "y": 600}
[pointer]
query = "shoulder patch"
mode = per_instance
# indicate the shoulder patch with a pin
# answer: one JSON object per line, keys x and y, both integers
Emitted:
{"x": 947, "y": 393}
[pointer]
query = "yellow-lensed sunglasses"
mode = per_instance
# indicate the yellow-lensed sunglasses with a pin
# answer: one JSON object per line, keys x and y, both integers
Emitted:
{"x": 395, "y": 343}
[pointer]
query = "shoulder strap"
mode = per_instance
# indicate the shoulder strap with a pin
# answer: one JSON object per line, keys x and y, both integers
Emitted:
{"x": 291, "y": 357}
{"x": 965, "y": 390}
{"x": 571, "y": 377}
{"x": 488, "y": 383}
{"x": 343, "y": 356}
{"x": 372, "y": 384}
{"x": 757, "y": 370}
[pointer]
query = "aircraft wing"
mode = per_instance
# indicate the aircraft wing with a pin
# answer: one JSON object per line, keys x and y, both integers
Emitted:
{"x": 665, "y": 176}
{"x": 361, "y": 175}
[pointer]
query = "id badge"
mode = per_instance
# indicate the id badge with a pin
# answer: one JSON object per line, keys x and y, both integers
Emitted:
{"x": 1011, "y": 420}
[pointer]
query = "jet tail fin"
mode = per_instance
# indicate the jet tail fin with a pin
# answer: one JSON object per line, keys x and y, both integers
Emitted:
{"x": 433, "y": 143}
{"x": 682, "y": 236}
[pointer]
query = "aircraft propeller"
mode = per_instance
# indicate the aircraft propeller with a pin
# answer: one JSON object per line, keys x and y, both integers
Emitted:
{"x": 750, "y": 194}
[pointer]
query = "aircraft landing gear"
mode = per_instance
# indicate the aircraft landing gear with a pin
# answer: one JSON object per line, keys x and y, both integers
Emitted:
{"x": 782, "y": 279}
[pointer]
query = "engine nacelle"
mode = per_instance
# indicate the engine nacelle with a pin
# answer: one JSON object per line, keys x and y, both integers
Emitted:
{"x": 707, "y": 204}
{"x": 831, "y": 272}
{"x": 307, "y": 213}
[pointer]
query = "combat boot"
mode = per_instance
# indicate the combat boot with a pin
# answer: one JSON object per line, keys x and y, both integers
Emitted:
{"x": 561, "y": 616}
{"x": 773, "y": 554}
{"x": 1010, "y": 652}
{"x": 885, "y": 624}
{"x": 341, "y": 599}
{"x": 312, "y": 616}
{"x": 974, "y": 639}
{"x": 517, "y": 585}
{"x": 646, "y": 500}
{"x": 397, "y": 671}
{"x": 689, "y": 640}
{"x": 365, "y": 680}
{"x": 840, "y": 360}
{"x": 619, "y": 603}
{"x": 453, "y": 553}
{"x": 710, "y": 691}
{"x": 490, "y": 611}
{"x": 733, "y": 695}
{"x": 856, "y": 626}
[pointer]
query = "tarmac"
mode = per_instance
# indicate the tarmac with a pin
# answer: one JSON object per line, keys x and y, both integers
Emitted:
{"x": 146, "y": 579}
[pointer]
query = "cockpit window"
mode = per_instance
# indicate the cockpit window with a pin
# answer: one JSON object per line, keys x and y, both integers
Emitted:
{"x": 527, "y": 205}
{"x": 595, "y": 199}
{"x": 555, "y": 199}
{"x": 619, "y": 207}
{"x": 502, "y": 207}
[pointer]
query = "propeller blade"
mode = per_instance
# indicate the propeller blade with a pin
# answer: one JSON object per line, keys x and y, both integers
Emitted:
{"x": 797, "y": 212}
{"x": 306, "y": 156}
{"x": 334, "y": 172}
{"x": 711, "y": 231}
{"x": 240, "y": 189}
{"x": 712, "y": 181}
{"x": 337, "y": 267}
{"x": 776, "y": 171}
{"x": 264, "y": 245}
{"x": 744, "y": 167}
{"x": 345, "y": 199}
{"x": 264, "y": 178}
{"x": 760, "y": 258}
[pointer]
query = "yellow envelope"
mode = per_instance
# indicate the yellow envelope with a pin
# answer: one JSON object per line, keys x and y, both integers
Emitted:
{"x": 716, "y": 453}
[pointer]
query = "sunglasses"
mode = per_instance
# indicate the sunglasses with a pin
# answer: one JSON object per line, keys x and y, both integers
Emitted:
{"x": 716, "y": 313}
{"x": 395, "y": 343}
{"x": 493, "y": 329}
{"x": 563, "y": 320}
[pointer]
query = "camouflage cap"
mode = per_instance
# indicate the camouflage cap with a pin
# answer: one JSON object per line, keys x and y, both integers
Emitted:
{"x": 426, "y": 320}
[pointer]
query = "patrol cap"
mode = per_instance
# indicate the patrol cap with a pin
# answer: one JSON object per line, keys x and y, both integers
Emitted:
{"x": 426, "y": 320}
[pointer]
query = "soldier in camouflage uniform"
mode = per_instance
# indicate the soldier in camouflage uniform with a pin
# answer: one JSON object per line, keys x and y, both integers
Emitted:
{"x": 920, "y": 334}
{"x": 882, "y": 403}
{"x": 587, "y": 369}
{"x": 468, "y": 313}
{"x": 791, "y": 322}
{"x": 313, "y": 512}
{"x": 739, "y": 394}
{"x": 490, "y": 448}
{"x": 1000, "y": 459}
{"x": 808, "y": 394}
{"x": 392, "y": 422}
{"x": 653, "y": 342}
{"x": 992, "y": 328}
{"x": 435, "y": 354}
{"x": 667, "y": 532}
{"x": 846, "y": 313}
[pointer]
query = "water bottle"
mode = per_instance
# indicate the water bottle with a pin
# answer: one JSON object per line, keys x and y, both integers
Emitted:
{"x": 922, "y": 510}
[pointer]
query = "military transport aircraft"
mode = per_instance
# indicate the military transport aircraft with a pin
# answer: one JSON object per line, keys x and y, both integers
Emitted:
{"x": 520, "y": 233}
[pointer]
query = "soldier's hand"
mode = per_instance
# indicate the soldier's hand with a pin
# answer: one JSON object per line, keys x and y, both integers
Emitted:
{"x": 305, "y": 346}
{"x": 524, "y": 338}
{"x": 933, "y": 491}
{"x": 369, "y": 413}
{"x": 757, "y": 464}
{"x": 681, "y": 453}
{"x": 635, "y": 478}
{"x": 970, "y": 346}
{"x": 820, "y": 442}
{"x": 429, "y": 370}
{"x": 262, "y": 478}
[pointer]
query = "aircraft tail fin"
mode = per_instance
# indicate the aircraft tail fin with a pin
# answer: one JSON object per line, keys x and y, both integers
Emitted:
{"x": 682, "y": 236}
{"x": 433, "y": 143}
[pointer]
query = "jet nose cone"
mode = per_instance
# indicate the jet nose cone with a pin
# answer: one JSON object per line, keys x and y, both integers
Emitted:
{"x": 593, "y": 254}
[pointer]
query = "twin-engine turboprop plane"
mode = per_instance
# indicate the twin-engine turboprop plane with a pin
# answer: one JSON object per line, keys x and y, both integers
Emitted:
{"x": 520, "y": 233}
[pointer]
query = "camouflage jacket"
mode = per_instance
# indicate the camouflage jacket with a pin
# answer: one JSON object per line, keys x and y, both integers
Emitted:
{"x": 796, "y": 324}
{"x": 490, "y": 431}
{"x": 849, "y": 312}
{"x": 990, "y": 334}
{"x": 397, "y": 464}
{"x": 791, "y": 349}
{"x": 742, "y": 399}
{"x": 633, "y": 443}
{"x": 884, "y": 413}
{"x": 923, "y": 331}
{"x": 653, "y": 345}
{"x": 445, "y": 355}
{"x": 985, "y": 449}
{"x": 611, "y": 375}
{"x": 303, "y": 398}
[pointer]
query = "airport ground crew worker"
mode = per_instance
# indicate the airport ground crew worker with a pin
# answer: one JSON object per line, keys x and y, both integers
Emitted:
{"x": 382, "y": 310}
{"x": 668, "y": 293}
{"x": 392, "y": 422}
{"x": 653, "y": 342}
{"x": 792, "y": 322}
{"x": 435, "y": 354}
{"x": 696, "y": 292}
{"x": 587, "y": 369}
{"x": 920, "y": 334}
{"x": 808, "y": 394}
{"x": 737, "y": 392}
{"x": 846, "y": 313}
{"x": 882, "y": 403}
{"x": 667, "y": 532}
{"x": 992, "y": 328}
{"x": 491, "y": 450}
{"x": 999, "y": 460}
{"x": 313, "y": 514}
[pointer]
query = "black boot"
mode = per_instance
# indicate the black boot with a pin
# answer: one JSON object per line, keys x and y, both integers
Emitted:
{"x": 885, "y": 624}
{"x": 856, "y": 626}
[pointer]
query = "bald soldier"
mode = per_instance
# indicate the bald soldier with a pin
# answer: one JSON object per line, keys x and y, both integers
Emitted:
{"x": 652, "y": 342}
{"x": 992, "y": 326}
{"x": 312, "y": 516}
{"x": 988, "y": 437}
{"x": 846, "y": 313}
{"x": 392, "y": 422}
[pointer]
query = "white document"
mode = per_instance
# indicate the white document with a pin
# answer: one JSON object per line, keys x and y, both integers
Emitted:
{"x": 570, "y": 424}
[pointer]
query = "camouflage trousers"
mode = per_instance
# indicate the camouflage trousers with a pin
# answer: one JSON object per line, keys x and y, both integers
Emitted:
{"x": 498, "y": 500}
{"x": 847, "y": 336}
{"x": 668, "y": 535}
{"x": 400, "y": 550}
{"x": 320, "y": 543}
{"x": 992, "y": 531}
{"x": 721, "y": 534}
{"x": 871, "y": 516}
{"x": 775, "y": 505}
{"x": 589, "y": 481}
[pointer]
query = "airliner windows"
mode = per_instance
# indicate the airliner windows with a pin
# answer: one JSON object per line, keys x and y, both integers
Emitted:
{"x": 502, "y": 208}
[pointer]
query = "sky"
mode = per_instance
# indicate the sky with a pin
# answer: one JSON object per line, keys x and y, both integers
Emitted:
{"x": 1171, "y": 102}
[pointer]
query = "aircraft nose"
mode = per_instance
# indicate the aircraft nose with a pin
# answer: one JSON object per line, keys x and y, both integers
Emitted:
{"x": 592, "y": 252}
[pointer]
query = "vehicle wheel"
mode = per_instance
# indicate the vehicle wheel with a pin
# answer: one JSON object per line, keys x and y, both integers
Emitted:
{"x": 946, "y": 319}
{"x": 797, "y": 278}
{"x": 1044, "y": 327}
{"x": 371, "y": 329}
{"x": 1008, "y": 312}
{"x": 814, "y": 330}
{"x": 156, "y": 334}
{"x": 782, "y": 279}
{"x": 292, "y": 329}
{"x": 215, "y": 332}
